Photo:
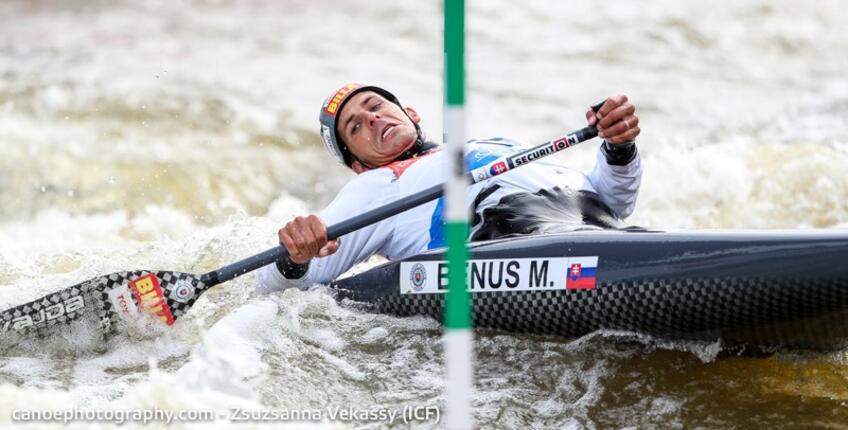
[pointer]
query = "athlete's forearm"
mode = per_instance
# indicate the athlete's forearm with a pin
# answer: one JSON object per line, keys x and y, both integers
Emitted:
{"x": 617, "y": 185}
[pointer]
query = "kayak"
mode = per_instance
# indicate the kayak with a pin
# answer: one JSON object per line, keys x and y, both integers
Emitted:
{"x": 758, "y": 288}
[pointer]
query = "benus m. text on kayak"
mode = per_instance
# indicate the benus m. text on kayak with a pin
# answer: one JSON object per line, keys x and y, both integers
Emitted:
{"x": 367, "y": 129}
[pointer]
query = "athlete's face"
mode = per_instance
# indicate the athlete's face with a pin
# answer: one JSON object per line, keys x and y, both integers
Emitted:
{"x": 376, "y": 130}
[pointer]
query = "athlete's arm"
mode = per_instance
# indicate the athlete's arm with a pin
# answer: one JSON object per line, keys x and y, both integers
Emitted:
{"x": 314, "y": 259}
{"x": 617, "y": 173}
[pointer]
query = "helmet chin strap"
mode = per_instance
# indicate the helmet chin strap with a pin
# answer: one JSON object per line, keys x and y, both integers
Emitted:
{"x": 420, "y": 147}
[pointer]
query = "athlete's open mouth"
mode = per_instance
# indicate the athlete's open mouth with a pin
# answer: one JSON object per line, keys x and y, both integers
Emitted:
{"x": 387, "y": 130}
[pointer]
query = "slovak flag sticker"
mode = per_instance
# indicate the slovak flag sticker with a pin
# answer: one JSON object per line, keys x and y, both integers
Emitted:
{"x": 581, "y": 273}
{"x": 498, "y": 168}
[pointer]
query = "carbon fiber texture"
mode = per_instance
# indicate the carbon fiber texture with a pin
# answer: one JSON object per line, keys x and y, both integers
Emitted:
{"x": 749, "y": 310}
{"x": 92, "y": 296}
{"x": 784, "y": 290}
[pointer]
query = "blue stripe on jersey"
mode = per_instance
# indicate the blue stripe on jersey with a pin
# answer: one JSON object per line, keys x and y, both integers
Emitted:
{"x": 437, "y": 225}
{"x": 481, "y": 155}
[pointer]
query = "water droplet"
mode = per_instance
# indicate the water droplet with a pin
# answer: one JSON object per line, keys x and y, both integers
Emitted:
{"x": 43, "y": 189}
{"x": 111, "y": 179}
{"x": 70, "y": 193}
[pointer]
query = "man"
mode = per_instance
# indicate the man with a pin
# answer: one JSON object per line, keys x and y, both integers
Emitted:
{"x": 367, "y": 129}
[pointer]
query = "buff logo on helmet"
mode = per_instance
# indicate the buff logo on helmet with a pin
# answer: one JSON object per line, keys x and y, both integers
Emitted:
{"x": 338, "y": 98}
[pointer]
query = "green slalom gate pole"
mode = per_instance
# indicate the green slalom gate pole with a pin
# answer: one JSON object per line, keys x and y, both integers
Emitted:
{"x": 458, "y": 338}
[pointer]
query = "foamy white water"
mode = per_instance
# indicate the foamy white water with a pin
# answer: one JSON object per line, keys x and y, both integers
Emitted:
{"x": 181, "y": 135}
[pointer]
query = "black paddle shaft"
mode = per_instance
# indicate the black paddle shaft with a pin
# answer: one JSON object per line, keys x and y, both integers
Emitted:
{"x": 335, "y": 231}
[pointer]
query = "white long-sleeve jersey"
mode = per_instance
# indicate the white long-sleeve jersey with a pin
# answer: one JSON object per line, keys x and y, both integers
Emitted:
{"x": 421, "y": 228}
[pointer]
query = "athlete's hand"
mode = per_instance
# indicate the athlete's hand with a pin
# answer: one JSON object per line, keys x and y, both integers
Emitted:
{"x": 616, "y": 120}
{"x": 306, "y": 238}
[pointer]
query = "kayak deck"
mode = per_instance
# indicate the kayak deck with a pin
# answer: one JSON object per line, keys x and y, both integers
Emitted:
{"x": 767, "y": 288}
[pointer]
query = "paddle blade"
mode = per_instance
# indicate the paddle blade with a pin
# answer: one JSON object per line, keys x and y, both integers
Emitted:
{"x": 117, "y": 300}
